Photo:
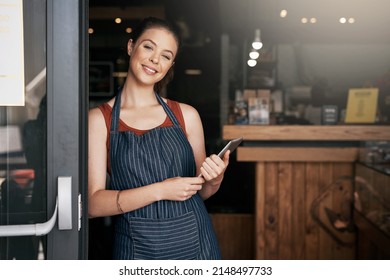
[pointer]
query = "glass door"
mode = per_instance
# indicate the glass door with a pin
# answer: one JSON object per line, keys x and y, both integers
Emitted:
{"x": 43, "y": 135}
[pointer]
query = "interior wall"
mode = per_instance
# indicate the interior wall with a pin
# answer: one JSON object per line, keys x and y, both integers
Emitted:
{"x": 343, "y": 65}
{"x": 343, "y": 55}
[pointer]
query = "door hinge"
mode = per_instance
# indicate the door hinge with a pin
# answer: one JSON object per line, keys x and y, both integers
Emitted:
{"x": 80, "y": 211}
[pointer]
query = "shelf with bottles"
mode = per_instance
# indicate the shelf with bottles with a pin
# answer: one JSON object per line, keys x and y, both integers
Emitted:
{"x": 256, "y": 106}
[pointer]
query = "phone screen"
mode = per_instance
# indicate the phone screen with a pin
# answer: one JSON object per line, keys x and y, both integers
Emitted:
{"x": 232, "y": 145}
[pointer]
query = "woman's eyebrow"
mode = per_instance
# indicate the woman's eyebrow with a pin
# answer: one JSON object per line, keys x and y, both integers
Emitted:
{"x": 151, "y": 41}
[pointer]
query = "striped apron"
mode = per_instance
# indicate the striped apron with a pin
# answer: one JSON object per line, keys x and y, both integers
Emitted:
{"x": 164, "y": 229}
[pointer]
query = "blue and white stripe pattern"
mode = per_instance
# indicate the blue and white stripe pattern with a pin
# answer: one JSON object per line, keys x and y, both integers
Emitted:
{"x": 164, "y": 229}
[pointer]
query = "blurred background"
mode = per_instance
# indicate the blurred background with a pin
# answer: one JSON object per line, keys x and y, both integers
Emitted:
{"x": 305, "y": 55}
{"x": 313, "y": 53}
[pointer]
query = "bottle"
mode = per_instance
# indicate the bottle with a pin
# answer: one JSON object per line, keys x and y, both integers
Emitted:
{"x": 240, "y": 108}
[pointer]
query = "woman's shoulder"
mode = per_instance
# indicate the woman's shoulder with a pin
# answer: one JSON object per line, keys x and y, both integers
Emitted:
{"x": 191, "y": 117}
{"x": 102, "y": 108}
{"x": 98, "y": 111}
{"x": 96, "y": 117}
{"x": 185, "y": 108}
{"x": 189, "y": 112}
{"x": 100, "y": 114}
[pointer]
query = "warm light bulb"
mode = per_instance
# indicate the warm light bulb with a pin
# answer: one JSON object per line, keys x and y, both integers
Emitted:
{"x": 254, "y": 54}
{"x": 257, "y": 45}
{"x": 343, "y": 20}
{"x": 283, "y": 13}
{"x": 252, "y": 63}
{"x": 118, "y": 20}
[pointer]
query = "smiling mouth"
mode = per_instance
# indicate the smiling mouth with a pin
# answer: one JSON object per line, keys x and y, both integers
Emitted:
{"x": 149, "y": 70}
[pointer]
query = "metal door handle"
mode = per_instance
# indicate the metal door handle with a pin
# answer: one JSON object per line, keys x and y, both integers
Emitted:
{"x": 63, "y": 208}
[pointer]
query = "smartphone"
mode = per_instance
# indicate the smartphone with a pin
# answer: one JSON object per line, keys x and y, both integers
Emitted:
{"x": 232, "y": 145}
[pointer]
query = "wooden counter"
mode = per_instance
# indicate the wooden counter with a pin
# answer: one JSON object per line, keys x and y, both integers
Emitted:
{"x": 307, "y": 132}
{"x": 304, "y": 193}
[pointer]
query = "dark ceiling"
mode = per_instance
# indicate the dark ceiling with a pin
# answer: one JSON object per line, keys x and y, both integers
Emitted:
{"x": 204, "y": 21}
{"x": 240, "y": 18}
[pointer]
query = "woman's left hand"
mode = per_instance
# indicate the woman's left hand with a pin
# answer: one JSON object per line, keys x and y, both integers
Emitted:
{"x": 214, "y": 167}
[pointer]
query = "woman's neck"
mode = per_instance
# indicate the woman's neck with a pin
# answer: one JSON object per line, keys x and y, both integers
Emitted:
{"x": 136, "y": 96}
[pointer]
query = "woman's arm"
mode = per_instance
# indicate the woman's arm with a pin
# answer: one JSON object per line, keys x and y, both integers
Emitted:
{"x": 212, "y": 168}
{"x": 104, "y": 202}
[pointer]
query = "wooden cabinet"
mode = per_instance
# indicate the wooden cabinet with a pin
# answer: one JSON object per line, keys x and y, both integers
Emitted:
{"x": 304, "y": 187}
{"x": 292, "y": 200}
{"x": 372, "y": 212}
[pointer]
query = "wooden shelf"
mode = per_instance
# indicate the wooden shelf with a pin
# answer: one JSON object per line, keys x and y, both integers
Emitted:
{"x": 307, "y": 132}
{"x": 291, "y": 154}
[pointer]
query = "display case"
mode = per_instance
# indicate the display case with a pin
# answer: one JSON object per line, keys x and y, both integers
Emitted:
{"x": 372, "y": 209}
{"x": 304, "y": 189}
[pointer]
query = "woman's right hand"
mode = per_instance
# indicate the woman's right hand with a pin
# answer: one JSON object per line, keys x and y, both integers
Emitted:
{"x": 180, "y": 188}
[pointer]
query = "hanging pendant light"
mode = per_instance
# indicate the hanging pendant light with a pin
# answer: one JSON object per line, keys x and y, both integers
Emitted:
{"x": 254, "y": 54}
{"x": 257, "y": 44}
{"x": 251, "y": 62}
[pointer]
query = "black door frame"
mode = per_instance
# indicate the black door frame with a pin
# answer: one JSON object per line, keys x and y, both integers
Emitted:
{"x": 67, "y": 100}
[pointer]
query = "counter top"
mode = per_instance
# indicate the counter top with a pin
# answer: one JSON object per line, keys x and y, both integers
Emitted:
{"x": 307, "y": 132}
{"x": 383, "y": 168}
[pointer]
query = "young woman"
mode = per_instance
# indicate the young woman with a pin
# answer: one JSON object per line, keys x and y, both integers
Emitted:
{"x": 153, "y": 150}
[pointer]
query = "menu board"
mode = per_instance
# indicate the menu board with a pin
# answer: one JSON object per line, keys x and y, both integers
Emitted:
{"x": 362, "y": 105}
{"x": 11, "y": 53}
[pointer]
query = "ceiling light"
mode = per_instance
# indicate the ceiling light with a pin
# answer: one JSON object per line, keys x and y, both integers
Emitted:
{"x": 351, "y": 20}
{"x": 313, "y": 20}
{"x": 283, "y": 13}
{"x": 118, "y": 20}
{"x": 257, "y": 44}
{"x": 90, "y": 30}
{"x": 129, "y": 29}
{"x": 304, "y": 20}
{"x": 343, "y": 20}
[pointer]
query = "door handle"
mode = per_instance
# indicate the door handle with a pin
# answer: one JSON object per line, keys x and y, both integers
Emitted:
{"x": 62, "y": 210}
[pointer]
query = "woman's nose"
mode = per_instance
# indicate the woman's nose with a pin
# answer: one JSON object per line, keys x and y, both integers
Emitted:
{"x": 154, "y": 59}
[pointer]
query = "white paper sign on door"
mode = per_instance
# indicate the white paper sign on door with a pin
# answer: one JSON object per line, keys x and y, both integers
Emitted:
{"x": 12, "y": 91}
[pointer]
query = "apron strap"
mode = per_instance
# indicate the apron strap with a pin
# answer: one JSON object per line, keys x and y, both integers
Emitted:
{"x": 117, "y": 105}
{"x": 168, "y": 110}
{"x": 116, "y": 112}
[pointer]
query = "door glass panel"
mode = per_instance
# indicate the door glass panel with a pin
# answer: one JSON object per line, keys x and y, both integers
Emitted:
{"x": 23, "y": 141}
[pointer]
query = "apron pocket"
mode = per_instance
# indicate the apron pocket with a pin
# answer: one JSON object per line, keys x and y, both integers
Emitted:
{"x": 165, "y": 239}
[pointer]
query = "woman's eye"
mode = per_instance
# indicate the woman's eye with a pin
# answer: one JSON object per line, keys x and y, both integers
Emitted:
{"x": 167, "y": 57}
{"x": 148, "y": 47}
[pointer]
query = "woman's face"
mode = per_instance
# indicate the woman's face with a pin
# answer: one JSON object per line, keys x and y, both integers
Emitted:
{"x": 152, "y": 55}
